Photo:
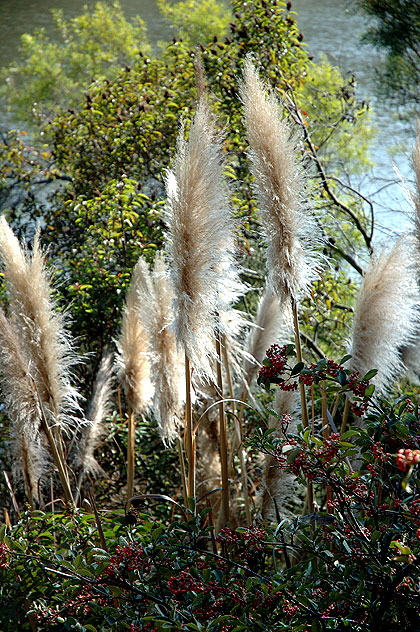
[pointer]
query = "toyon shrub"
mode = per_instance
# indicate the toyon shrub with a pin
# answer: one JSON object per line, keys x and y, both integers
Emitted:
{"x": 352, "y": 563}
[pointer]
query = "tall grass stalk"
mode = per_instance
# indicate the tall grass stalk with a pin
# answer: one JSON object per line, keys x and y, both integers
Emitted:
{"x": 200, "y": 244}
{"x": 224, "y": 448}
{"x": 289, "y": 228}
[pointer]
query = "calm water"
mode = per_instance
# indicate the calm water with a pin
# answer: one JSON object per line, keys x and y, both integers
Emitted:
{"x": 329, "y": 26}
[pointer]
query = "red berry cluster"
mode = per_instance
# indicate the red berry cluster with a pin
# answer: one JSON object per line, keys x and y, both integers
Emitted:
{"x": 406, "y": 458}
{"x": 184, "y": 583}
{"x": 315, "y": 373}
{"x": 255, "y": 537}
{"x": 358, "y": 387}
{"x": 127, "y": 558}
{"x": 277, "y": 362}
{"x": 415, "y": 508}
{"x": 4, "y": 555}
{"x": 227, "y": 535}
{"x": 330, "y": 448}
{"x": 274, "y": 366}
{"x": 379, "y": 452}
{"x": 290, "y": 609}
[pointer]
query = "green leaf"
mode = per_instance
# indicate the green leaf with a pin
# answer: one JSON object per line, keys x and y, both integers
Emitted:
{"x": 369, "y": 375}
{"x": 370, "y": 390}
{"x": 297, "y": 368}
{"x": 342, "y": 378}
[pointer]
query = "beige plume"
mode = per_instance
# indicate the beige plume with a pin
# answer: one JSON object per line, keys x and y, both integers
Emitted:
{"x": 133, "y": 345}
{"x": 166, "y": 359}
{"x": 386, "y": 315}
{"x": 269, "y": 327}
{"x": 200, "y": 241}
{"x": 289, "y": 228}
{"x": 98, "y": 409}
{"x": 40, "y": 327}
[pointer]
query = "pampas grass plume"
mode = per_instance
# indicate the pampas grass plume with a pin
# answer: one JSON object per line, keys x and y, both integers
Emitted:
{"x": 39, "y": 326}
{"x": 199, "y": 240}
{"x": 289, "y": 229}
{"x": 98, "y": 409}
{"x": 166, "y": 360}
{"x": 132, "y": 358}
{"x": 386, "y": 315}
{"x": 269, "y": 327}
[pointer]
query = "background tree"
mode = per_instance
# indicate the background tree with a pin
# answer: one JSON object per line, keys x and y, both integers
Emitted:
{"x": 396, "y": 28}
{"x": 54, "y": 73}
{"x": 190, "y": 19}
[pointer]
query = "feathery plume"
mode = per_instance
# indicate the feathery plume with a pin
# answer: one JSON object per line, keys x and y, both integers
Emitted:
{"x": 386, "y": 315}
{"x": 17, "y": 385}
{"x": 269, "y": 327}
{"x": 30, "y": 463}
{"x": 200, "y": 240}
{"x": 40, "y": 327}
{"x": 289, "y": 228}
{"x": 99, "y": 407}
{"x": 23, "y": 409}
{"x": 132, "y": 359}
{"x": 166, "y": 361}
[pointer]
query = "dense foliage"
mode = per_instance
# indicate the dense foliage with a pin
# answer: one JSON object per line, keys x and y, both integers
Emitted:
{"x": 122, "y": 138}
{"x": 54, "y": 73}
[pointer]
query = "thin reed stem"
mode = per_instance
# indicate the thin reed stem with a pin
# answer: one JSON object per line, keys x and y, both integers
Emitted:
{"x": 239, "y": 436}
{"x": 131, "y": 442}
{"x": 183, "y": 471}
{"x": 188, "y": 435}
{"x": 304, "y": 407}
{"x": 336, "y": 404}
{"x": 26, "y": 475}
{"x": 60, "y": 464}
{"x": 224, "y": 449}
{"x": 305, "y": 419}
{"x": 325, "y": 427}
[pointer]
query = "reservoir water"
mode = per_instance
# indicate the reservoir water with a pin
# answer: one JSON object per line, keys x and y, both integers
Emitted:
{"x": 330, "y": 27}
